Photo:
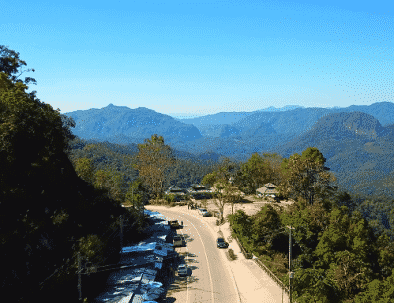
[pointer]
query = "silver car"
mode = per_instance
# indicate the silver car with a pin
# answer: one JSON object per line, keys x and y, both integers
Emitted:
{"x": 202, "y": 211}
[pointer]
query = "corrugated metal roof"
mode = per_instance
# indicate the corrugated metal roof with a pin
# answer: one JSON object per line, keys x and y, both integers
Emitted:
{"x": 123, "y": 284}
{"x": 266, "y": 190}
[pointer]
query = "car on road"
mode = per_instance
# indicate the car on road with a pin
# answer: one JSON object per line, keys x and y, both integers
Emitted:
{"x": 202, "y": 210}
{"x": 220, "y": 243}
{"x": 174, "y": 224}
{"x": 182, "y": 270}
{"x": 206, "y": 214}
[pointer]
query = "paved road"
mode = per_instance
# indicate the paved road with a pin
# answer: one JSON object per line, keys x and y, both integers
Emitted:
{"x": 241, "y": 280}
{"x": 211, "y": 279}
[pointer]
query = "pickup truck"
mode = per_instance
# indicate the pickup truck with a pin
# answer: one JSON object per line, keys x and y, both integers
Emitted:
{"x": 174, "y": 224}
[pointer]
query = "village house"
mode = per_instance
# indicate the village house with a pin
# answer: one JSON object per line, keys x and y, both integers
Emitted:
{"x": 268, "y": 190}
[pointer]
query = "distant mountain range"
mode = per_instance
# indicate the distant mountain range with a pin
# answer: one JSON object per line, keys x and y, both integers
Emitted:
{"x": 128, "y": 124}
{"x": 357, "y": 141}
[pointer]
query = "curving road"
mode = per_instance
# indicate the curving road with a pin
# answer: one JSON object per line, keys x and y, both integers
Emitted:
{"x": 211, "y": 279}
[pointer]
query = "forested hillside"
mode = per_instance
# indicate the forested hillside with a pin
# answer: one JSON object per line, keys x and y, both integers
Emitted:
{"x": 61, "y": 198}
{"x": 49, "y": 215}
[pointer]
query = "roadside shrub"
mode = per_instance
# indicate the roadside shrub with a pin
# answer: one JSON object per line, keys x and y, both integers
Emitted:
{"x": 172, "y": 204}
{"x": 169, "y": 198}
{"x": 231, "y": 254}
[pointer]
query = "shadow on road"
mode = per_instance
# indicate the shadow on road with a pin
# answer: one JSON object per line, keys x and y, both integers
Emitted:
{"x": 169, "y": 300}
{"x": 187, "y": 238}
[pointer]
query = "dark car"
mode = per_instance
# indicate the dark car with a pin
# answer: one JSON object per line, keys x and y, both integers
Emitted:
{"x": 221, "y": 243}
{"x": 202, "y": 211}
{"x": 174, "y": 224}
{"x": 182, "y": 270}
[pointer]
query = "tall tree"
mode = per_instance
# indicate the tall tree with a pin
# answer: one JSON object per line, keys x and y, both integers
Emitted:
{"x": 113, "y": 181}
{"x": 274, "y": 162}
{"x": 219, "y": 180}
{"x": 137, "y": 196}
{"x": 11, "y": 64}
{"x": 84, "y": 169}
{"x": 154, "y": 160}
{"x": 306, "y": 176}
{"x": 255, "y": 173}
{"x": 344, "y": 250}
{"x": 43, "y": 202}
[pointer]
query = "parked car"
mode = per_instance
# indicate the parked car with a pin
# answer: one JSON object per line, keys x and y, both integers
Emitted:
{"x": 220, "y": 243}
{"x": 182, "y": 270}
{"x": 177, "y": 241}
{"x": 174, "y": 224}
{"x": 206, "y": 214}
{"x": 202, "y": 210}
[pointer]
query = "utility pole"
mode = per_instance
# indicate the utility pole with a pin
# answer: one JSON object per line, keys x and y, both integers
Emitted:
{"x": 121, "y": 232}
{"x": 79, "y": 276}
{"x": 291, "y": 274}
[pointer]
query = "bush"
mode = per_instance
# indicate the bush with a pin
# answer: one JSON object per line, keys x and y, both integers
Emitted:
{"x": 172, "y": 204}
{"x": 231, "y": 254}
{"x": 169, "y": 198}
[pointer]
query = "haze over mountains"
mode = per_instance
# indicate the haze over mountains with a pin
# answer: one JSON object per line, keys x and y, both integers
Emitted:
{"x": 357, "y": 141}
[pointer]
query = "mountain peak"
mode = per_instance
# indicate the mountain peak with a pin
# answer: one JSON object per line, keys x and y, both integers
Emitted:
{"x": 280, "y": 109}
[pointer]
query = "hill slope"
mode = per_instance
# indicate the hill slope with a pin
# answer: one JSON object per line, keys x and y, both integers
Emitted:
{"x": 129, "y": 123}
{"x": 358, "y": 149}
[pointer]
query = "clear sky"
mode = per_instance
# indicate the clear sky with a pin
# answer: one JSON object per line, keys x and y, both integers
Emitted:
{"x": 203, "y": 57}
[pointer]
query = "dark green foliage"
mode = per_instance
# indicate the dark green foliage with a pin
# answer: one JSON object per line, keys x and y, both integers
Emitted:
{"x": 241, "y": 224}
{"x": 378, "y": 291}
{"x": 341, "y": 247}
{"x": 44, "y": 207}
{"x": 266, "y": 223}
{"x": 60, "y": 195}
{"x": 10, "y": 64}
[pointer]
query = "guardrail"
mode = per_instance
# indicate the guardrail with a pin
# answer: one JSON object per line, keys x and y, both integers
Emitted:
{"x": 262, "y": 266}
{"x": 243, "y": 250}
{"x": 272, "y": 275}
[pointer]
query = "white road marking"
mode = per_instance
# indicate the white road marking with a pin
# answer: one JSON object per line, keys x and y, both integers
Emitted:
{"x": 209, "y": 269}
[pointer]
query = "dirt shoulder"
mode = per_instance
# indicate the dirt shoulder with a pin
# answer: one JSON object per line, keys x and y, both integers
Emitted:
{"x": 251, "y": 207}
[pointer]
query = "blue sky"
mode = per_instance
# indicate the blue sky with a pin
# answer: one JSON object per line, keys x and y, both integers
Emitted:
{"x": 194, "y": 58}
